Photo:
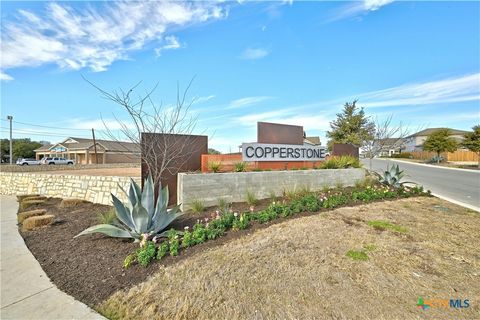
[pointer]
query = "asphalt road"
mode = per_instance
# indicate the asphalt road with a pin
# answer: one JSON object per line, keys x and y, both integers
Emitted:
{"x": 459, "y": 185}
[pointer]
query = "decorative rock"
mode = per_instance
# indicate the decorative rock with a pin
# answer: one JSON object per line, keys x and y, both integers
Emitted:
{"x": 66, "y": 203}
{"x": 26, "y": 204}
{"x": 34, "y": 198}
{"x": 37, "y": 221}
{"x": 32, "y": 213}
{"x": 22, "y": 197}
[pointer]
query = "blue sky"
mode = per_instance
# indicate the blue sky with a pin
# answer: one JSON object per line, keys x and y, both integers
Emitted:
{"x": 289, "y": 62}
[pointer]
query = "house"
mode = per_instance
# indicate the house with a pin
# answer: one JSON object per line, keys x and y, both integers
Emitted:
{"x": 84, "y": 151}
{"x": 313, "y": 141}
{"x": 415, "y": 141}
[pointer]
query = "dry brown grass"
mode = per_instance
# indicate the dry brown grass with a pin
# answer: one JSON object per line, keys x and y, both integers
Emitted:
{"x": 299, "y": 269}
{"x": 37, "y": 221}
{"x": 66, "y": 203}
{"x": 32, "y": 213}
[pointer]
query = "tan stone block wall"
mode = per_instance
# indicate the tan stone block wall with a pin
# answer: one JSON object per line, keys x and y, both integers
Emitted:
{"x": 95, "y": 189}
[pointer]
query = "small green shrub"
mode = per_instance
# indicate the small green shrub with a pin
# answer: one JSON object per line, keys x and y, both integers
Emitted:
{"x": 251, "y": 198}
{"x": 214, "y": 166}
{"x": 109, "y": 217}
{"x": 342, "y": 162}
{"x": 310, "y": 203}
{"x": 334, "y": 201}
{"x": 240, "y": 222}
{"x": 240, "y": 166}
{"x": 198, "y": 206}
{"x": 199, "y": 233}
{"x": 146, "y": 254}
{"x": 173, "y": 242}
{"x": 163, "y": 249}
{"x": 187, "y": 240}
{"x": 357, "y": 255}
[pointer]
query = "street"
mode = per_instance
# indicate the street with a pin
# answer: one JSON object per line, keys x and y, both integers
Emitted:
{"x": 459, "y": 185}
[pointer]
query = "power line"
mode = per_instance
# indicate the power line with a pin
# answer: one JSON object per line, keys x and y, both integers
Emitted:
{"x": 48, "y": 127}
{"x": 36, "y": 133}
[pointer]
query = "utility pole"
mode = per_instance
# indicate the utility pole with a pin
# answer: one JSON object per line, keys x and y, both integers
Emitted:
{"x": 10, "y": 118}
{"x": 95, "y": 146}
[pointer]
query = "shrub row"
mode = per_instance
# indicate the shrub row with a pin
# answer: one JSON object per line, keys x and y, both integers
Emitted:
{"x": 227, "y": 220}
{"x": 342, "y": 162}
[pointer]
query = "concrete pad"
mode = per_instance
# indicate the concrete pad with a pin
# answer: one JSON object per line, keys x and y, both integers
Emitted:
{"x": 49, "y": 304}
{"x": 26, "y": 291}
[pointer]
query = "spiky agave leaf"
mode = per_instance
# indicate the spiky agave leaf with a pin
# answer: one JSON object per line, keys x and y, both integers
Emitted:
{"x": 123, "y": 213}
{"x": 148, "y": 198}
{"x": 106, "y": 229}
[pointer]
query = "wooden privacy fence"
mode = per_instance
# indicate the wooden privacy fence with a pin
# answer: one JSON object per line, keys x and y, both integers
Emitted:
{"x": 459, "y": 155}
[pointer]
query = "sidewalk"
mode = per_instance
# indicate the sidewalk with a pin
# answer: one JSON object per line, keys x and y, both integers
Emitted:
{"x": 26, "y": 291}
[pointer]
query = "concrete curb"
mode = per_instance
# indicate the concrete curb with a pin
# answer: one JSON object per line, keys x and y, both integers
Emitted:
{"x": 429, "y": 165}
{"x": 462, "y": 204}
{"x": 26, "y": 291}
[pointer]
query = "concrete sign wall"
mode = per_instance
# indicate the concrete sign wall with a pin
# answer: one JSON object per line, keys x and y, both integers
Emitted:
{"x": 233, "y": 187}
{"x": 282, "y": 152}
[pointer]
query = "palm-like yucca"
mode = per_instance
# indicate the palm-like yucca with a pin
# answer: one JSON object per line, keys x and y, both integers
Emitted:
{"x": 140, "y": 219}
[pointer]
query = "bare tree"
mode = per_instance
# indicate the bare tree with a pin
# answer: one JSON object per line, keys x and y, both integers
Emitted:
{"x": 164, "y": 154}
{"x": 386, "y": 136}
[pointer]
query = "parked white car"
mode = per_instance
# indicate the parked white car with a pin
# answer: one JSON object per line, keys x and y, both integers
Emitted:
{"x": 27, "y": 162}
{"x": 55, "y": 160}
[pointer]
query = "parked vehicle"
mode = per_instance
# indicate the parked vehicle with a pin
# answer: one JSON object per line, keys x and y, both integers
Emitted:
{"x": 27, "y": 162}
{"x": 55, "y": 160}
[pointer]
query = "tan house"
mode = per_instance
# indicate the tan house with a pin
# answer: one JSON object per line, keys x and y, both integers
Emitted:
{"x": 83, "y": 151}
{"x": 415, "y": 141}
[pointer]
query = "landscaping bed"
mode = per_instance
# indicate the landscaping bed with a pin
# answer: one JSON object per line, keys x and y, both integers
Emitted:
{"x": 90, "y": 268}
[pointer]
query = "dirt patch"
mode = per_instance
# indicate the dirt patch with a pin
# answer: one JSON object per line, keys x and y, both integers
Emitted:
{"x": 299, "y": 269}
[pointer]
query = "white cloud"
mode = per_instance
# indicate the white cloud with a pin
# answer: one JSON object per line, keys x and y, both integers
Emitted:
{"x": 95, "y": 37}
{"x": 254, "y": 53}
{"x": 357, "y": 8}
{"x": 5, "y": 77}
{"x": 451, "y": 90}
{"x": 204, "y": 99}
{"x": 171, "y": 42}
{"x": 247, "y": 101}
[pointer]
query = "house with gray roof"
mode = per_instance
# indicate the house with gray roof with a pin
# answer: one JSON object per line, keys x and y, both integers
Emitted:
{"x": 85, "y": 151}
{"x": 415, "y": 141}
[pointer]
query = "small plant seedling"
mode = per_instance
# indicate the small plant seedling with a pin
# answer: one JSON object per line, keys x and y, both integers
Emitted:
{"x": 215, "y": 166}
{"x": 251, "y": 199}
{"x": 108, "y": 217}
{"x": 370, "y": 247}
{"x": 198, "y": 206}
{"x": 357, "y": 255}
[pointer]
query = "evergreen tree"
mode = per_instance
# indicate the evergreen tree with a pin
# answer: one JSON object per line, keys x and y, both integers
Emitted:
{"x": 351, "y": 126}
{"x": 440, "y": 141}
{"x": 472, "y": 141}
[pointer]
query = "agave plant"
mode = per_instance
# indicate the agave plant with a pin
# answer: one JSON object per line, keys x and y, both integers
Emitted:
{"x": 140, "y": 219}
{"x": 392, "y": 176}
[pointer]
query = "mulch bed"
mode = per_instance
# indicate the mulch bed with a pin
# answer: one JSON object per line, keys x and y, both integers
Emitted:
{"x": 89, "y": 268}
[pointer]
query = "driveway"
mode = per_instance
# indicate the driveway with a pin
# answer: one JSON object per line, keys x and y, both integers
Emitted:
{"x": 462, "y": 186}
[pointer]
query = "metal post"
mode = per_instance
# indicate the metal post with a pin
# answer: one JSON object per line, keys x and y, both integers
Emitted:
{"x": 10, "y": 118}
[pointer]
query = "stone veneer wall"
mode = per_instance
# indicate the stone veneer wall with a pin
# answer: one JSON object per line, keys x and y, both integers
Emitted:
{"x": 42, "y": 168}
{"x": 233, "y": 186}
{"x": 95, "y": 189}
